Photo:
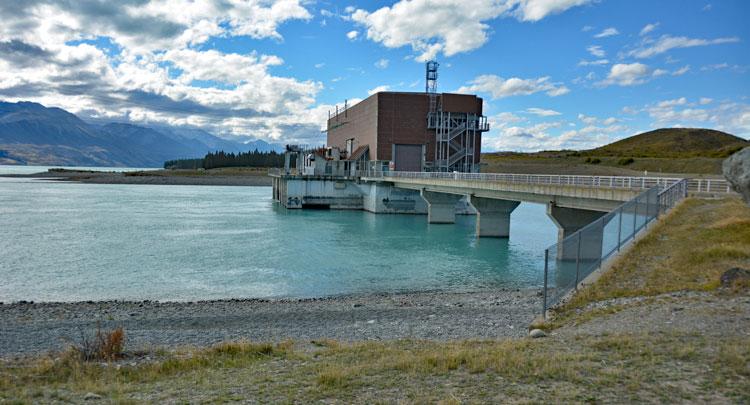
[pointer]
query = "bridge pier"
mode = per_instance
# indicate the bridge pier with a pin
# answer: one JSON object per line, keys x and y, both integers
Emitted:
{"x": 493, "y": 216}
{"x": 570, "y": 220}
{"x": 441, "y": 207}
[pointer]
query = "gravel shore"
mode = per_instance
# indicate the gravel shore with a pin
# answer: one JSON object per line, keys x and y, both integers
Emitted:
{"x": 29, "y": 328}
{"x": 155, "y": 177}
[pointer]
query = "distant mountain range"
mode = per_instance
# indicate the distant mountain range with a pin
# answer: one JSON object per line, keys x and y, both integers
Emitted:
{"x": 32, "y": 134}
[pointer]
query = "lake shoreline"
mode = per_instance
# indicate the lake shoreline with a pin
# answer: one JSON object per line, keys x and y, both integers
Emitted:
{"x": 217, "y": 177}
{"x": 31, "y": 328}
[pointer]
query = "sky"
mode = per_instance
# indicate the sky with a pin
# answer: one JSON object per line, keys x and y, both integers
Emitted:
{"x": 553, "y": 74}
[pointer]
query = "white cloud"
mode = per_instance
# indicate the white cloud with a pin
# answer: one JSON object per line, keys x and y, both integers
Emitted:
{"x": 587, "y": 119}
{"x": 666, "y": 43}
{"x": 382, "y": 63}
{"x": 623, "y": 74}
{"x": 587, "y": 28}
{"x": 220, "y": 67}
{"x": 352, "y": 35}
{"x": 448, "y": 26}
{"x": 648, "y": 28}
{"x": 152, "y": 70}
{"x": 598, "y": 62}
{"x": 535, "y": 10}
{"x": 672, "y": 103}
{"x": 378, "y": 89}
{"x": 730, "y": 117}
{"x": 542, "y": 136}
{"x": 320, "y": 65}
{"x": 631, "y": 74}
{"x": 503, "y": 119}
{"x": 681, "y": 71}
{"x": 607, "y": 32}
{"x": 672, "y": 112}
{"x": 542, "y": 112}
{"x": 499, "y": 87}
{"x": 596, "y": 51}
{"x": 157, "y": 24}
{"x": 722, "y": 66}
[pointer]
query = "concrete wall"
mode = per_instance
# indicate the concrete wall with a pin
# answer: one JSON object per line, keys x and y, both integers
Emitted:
{"x": 298, "y": 193}
{"x": 380, "y": 198}
{"x": 359, "y": 122}
{"x": 383, "y": 198}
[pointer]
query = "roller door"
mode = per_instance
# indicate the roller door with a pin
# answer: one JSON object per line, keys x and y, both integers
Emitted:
{"x": 408, "y": 158}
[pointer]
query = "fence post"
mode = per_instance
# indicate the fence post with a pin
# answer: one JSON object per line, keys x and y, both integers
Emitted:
{"x": 544, "y": 294}
{"x": 619, "y": 231}
{"x": 601, "y": 251}
{"x": 578, "y": 259}
{"x": 635, "y": 215}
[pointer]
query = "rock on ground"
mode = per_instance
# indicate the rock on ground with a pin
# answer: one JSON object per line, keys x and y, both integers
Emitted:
{"x": 736, "y": 169}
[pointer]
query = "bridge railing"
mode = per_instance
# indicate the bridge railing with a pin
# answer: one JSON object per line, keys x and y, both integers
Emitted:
{"x": 572, "y": 259}
{"x": 709, "y": 186}
{"x": 565, "y": 180}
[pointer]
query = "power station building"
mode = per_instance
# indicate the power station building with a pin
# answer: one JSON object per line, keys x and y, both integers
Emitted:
{"x": 388, "y": 131}
{"x": 410, "y": 132}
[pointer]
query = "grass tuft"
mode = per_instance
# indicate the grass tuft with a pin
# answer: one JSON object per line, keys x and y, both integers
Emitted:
{"x": 104, "y": 345}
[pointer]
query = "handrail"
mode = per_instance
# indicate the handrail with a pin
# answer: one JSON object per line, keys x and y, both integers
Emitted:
{"x": 564, "y": 180}
{"x": 714, "y": 186}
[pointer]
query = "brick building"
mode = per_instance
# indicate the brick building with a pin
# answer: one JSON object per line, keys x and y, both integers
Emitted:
{"x": 411, "y": 131}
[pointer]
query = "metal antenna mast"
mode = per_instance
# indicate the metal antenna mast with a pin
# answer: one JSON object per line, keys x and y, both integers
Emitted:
{"x": 431, "y": 76}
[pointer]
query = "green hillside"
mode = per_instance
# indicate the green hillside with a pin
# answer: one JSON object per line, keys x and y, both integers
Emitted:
{"x": 674, "y": 143}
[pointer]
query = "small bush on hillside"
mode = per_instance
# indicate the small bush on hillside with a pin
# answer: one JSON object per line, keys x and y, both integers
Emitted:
{"x": 593, "y": 161}
{"x": 625, "y": 161}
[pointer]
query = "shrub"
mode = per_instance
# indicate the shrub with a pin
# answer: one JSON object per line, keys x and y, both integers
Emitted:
{"x": 593, "y": 161}
{"x": 625, "y": 161}
{"x": 104, "y": 345}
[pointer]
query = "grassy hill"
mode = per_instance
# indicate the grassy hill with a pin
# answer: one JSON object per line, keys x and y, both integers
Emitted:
{"x": 674, "y": 143}
{"x": 673, "y": 151}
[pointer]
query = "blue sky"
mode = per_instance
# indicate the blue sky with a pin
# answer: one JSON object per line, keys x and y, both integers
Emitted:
{"x": 553, "y": 74}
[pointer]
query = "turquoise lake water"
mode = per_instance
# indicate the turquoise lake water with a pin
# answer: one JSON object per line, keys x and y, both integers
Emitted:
{"x": 71, "y": 242}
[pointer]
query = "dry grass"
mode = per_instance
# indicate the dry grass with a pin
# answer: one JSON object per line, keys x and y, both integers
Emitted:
{"x": 616, "y": 368}
{"x": 688, "y": 250}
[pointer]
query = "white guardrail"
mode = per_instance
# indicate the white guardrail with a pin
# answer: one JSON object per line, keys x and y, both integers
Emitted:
{"x": 715, "y": 186}
{"x": 566, "y": 180}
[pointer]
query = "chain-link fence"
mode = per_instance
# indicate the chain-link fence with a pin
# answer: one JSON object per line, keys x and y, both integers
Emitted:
{"x": 571, "y": 260}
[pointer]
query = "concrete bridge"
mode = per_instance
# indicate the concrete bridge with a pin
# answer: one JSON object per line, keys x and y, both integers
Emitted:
{"x": 572, "y": 201}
